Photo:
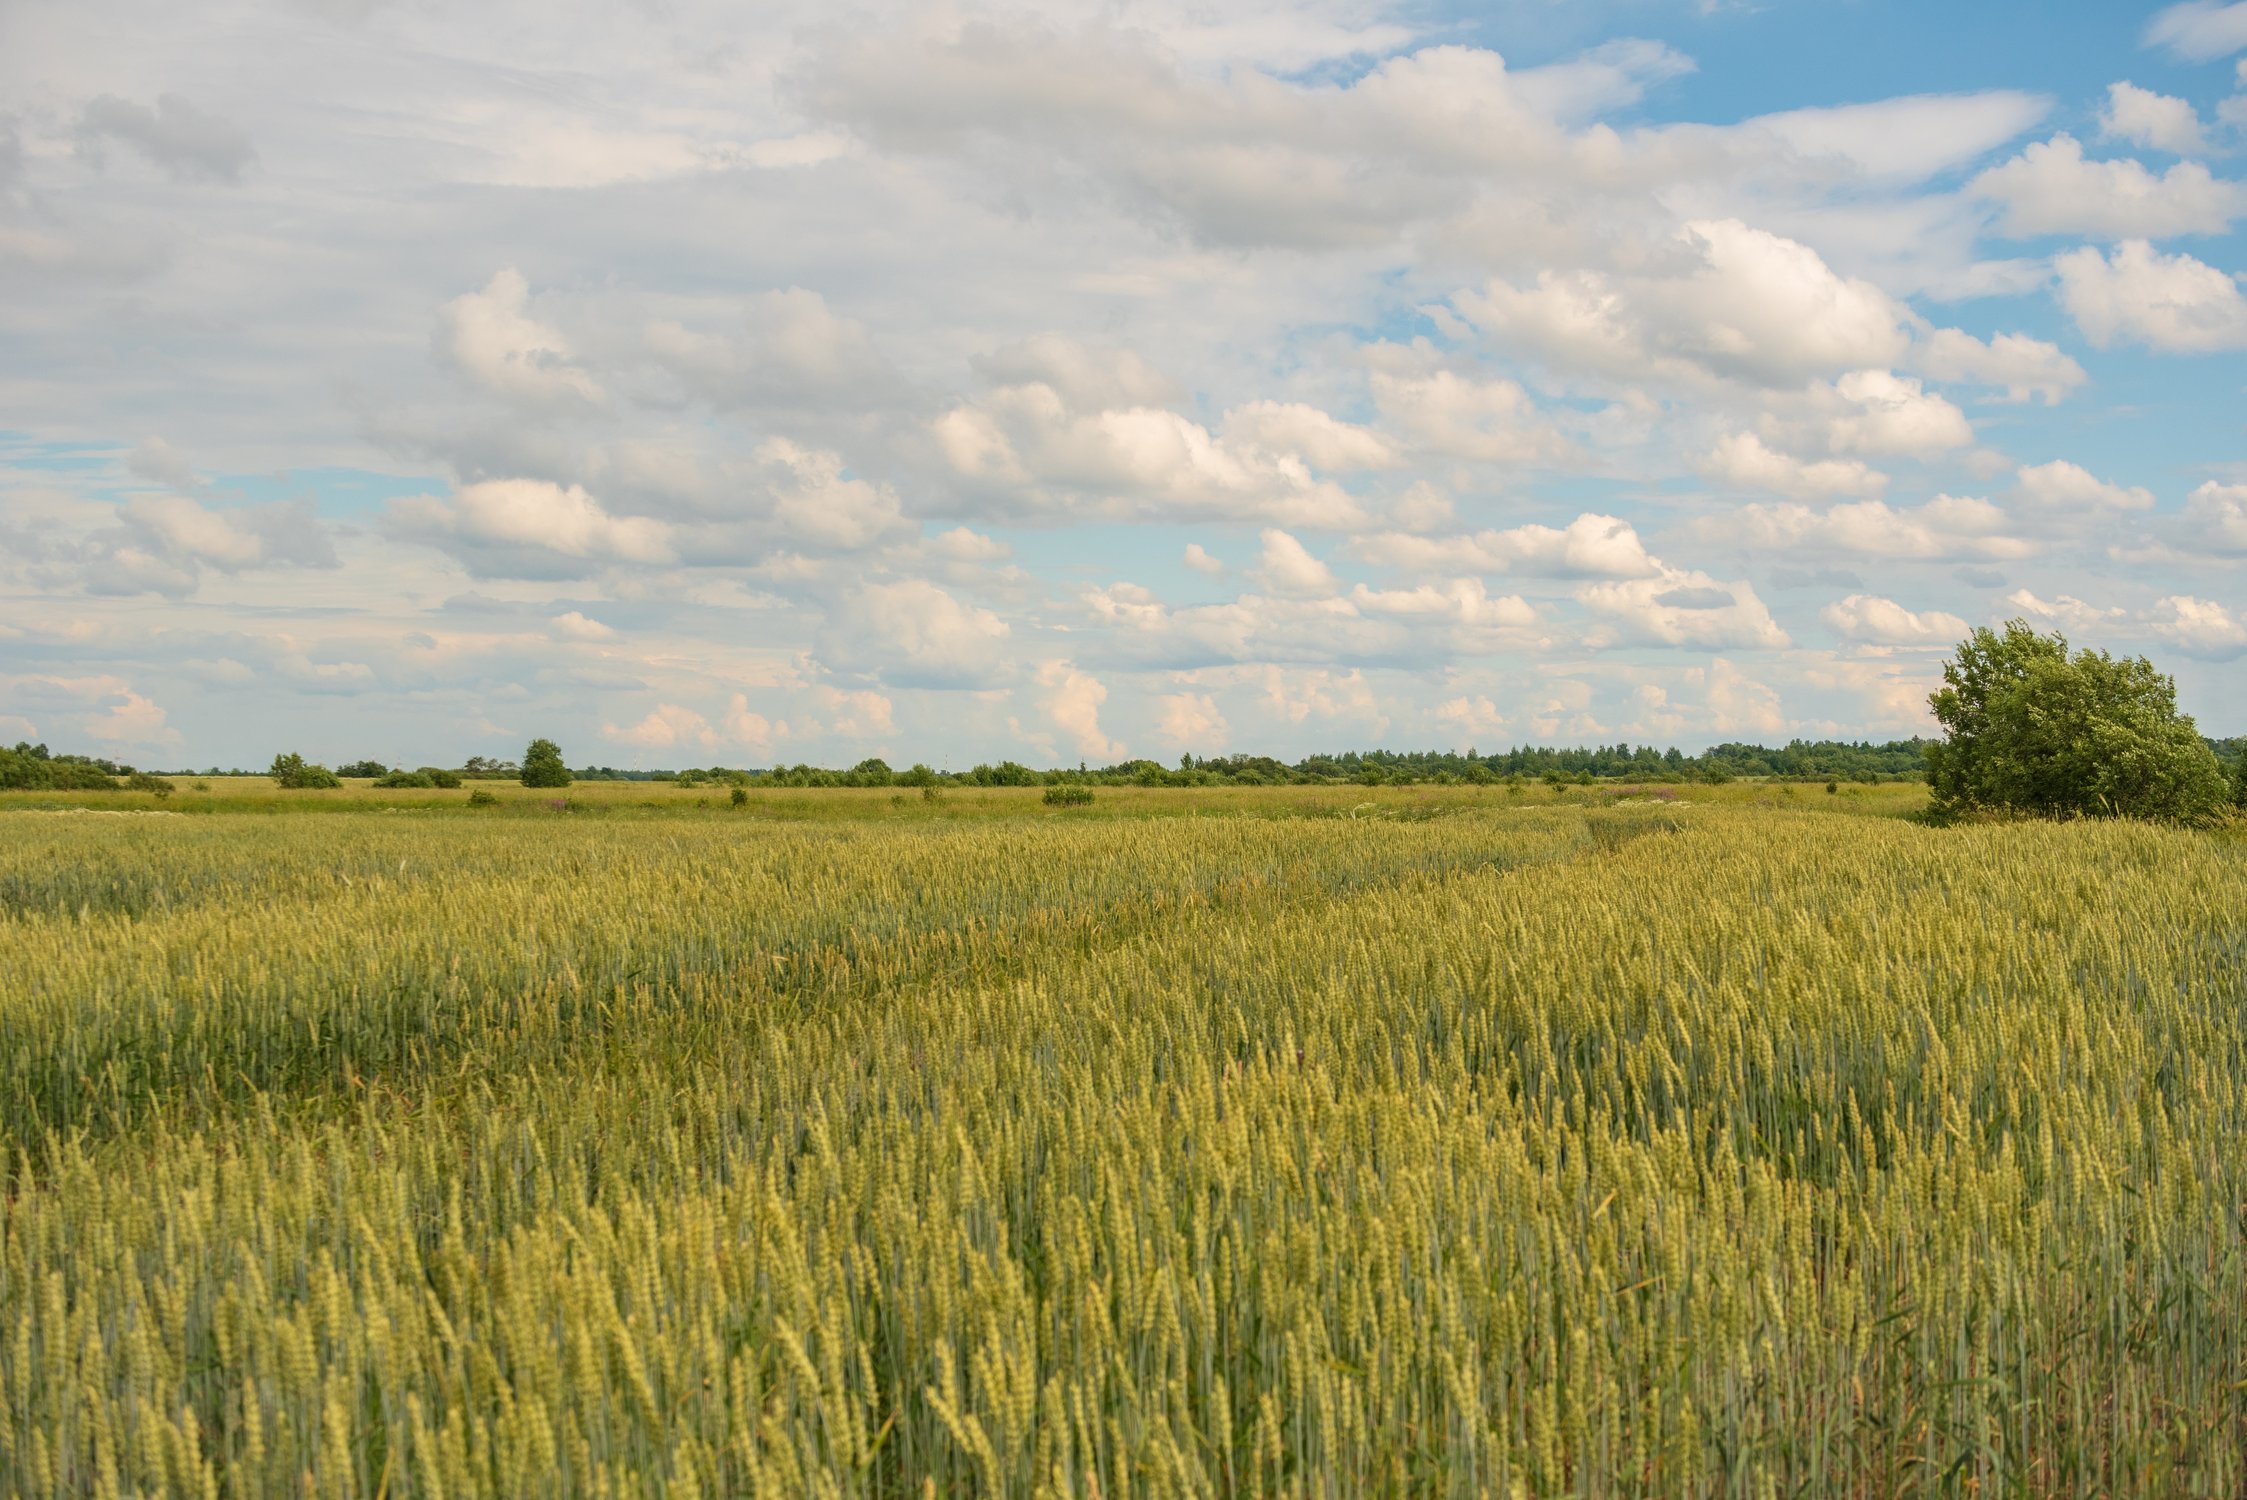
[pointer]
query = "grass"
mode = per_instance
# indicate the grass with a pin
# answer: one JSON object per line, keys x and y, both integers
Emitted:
{"x": 1230, "y": 1142}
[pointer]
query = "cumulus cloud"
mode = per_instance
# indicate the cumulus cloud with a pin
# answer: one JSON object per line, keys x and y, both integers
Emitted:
{"x": 815, "y": 502}
{"x": 1493, "y": 421}
{"x": 787, "y": 348}
{"x": 2060, "y": 485}
{"x": 2020, "y": 366}
{"x": 1190, "y": 719}
{"x": 2199, "y": 627}
{"x": 575, "y": 625}
{"x": 2215, "y": 520}
{"x": 2160, "y": 122}
{"x": 2199, "y": 30}
{"x": 1287, "y": 568}
{"x": 1031, "y": 442}
{"x": 1946, "y": 527}
{"x": 2170, "y": 303}
{"x": 531, "y": 528}
{"x": 1884, "y": 622}
{"x": 2051, "y": 189}
{"x": 1591, "y": 546}
{"x": 1197, "y": 557}
{"x": 1072, "y": 701}
{"x": 1725, "y": 299}
{"x": 914, "y": 633}
{"x": 1880, "y": 412}
{"x": 2066, "y": 610}
{"x": 668, "y": 726}
{"x": 491, "y": 337}
{"x": 176, "y": 136}
{"x": 1680, "y": 607}
{"x": 1744, "y": 460}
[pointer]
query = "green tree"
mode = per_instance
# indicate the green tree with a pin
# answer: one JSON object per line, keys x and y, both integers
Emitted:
{"x": 542, "y": 765}
{"x": 2033, "y": 728}
{"x": 300, "y": 775}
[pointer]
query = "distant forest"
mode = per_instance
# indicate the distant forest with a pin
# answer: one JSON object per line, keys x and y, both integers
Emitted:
{"x": 35, "y": 768}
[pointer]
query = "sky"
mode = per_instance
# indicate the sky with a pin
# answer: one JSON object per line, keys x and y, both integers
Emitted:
{"x": 719, "y": 384}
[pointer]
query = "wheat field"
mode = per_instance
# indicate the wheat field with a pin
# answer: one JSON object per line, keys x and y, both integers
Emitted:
{"x": 1281, "y": 1145}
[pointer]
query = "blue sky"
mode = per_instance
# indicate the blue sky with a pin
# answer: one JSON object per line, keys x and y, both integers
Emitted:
{"x": 718, "y": 384}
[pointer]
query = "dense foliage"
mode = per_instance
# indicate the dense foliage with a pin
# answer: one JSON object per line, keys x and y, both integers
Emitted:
{"x": 2033, "y": 728}
{"x": 31, "y": 768}
{"x": 298, "y": 774}
{"x": 1527, "y": 1150}
{"x": 543, "y": 765}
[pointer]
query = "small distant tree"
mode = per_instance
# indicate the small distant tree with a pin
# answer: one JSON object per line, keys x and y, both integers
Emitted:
{"x": 2033, "y": 728}
{"x": 298, "y": 774}
{"x": 542, "y": 765}
{"x": 363, "y": 768}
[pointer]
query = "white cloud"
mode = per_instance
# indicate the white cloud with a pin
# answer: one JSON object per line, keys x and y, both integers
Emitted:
{"x": 1591, "y": 546}
{"x": 1462, "y": 601}
{"x": 492, "y": 338}
{"x": 1072, "y": 701}
{"x": 1197, "y": 557}
{"x": 578, "y": 626}
{"x": 2145, "y": 118}
{"x": 2215, "y": 519}
{"x": 668, "y": 726}
{"x": 1879, "y": 412}
{"x": 1191, "y": 719}
{"x": 2050, "y": 189}
{"x": 1285, "y": 429}
{"x": 813, "y": 502}
{"x": 527, "y": 524}
{"x": 2171, "y": 303}
{"x": 1884, "y": 622}
{"x": 2021, "y": 366}
{"x": 132, "y": 720}
{"x": 2199, "y": 627}
{"x": 1472, "y": 718}
{"x": 1493, "y": 421}
{"x": 2066, "y": 611}
{"x": 2061, "y": 485}
{"x": 1735, "y": 301}
{"x": 855, "y": 713}
{"x": 1738, "y": 704}
{"x": 1288, "y": 569}
{"x": 2200, "y": 30}
{"x": 153, "y": 458}
{"x": 742, "y": 725}
{"x": 914, "y": 632}
{"x": 1743, "y": 459}
{"x": 1945, "y": 527}
{"x": 1683, "y": 608}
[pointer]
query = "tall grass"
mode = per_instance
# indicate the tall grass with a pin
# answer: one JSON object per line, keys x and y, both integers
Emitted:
{"x": 1555, "y": 1151}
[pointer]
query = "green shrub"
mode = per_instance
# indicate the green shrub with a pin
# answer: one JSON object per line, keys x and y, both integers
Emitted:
{"x": 483, "y": 797}
{"x": 298, "y": 774}
{"x": 141, "y": 781}
{"x": 416, "y": 779}
{"x": 1066, "y": 795}
{"x": 740, "y": 796}
{"x": 543, "y": 766}
{"x": 440, "y": 777}
{"x": 2032, "y": 728}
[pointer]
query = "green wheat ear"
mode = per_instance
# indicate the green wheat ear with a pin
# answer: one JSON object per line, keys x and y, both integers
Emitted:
{"x": 1302, "y": 1146}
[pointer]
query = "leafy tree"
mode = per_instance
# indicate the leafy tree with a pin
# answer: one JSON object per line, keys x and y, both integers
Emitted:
{"x": 2033, "y": 728}
{"x": 542, "y": 765}
{"x": 298, "y": 774}
{"x": 363, "y": 768}
{"x": 418, "y": 780}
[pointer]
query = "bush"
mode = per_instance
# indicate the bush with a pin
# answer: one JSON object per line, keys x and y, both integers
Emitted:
{"x": 483, "y": 797}
{"x": 30, "y": 768}
{"x": 2032, "y": 728}
{"x": 370, "y": 770}
{"x": 417, "y": 779}
{"x": 741, "y": 796}
{"x": 298, "y": 774}
{"x": 542, "y": 765}
{"x": 440, "y": 777}
{"x": 1068, "y": 796}
{"x": 141, "y": 781}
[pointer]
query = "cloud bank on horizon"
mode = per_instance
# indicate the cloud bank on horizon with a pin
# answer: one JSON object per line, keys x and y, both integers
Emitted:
{"x": 714, "y": 384}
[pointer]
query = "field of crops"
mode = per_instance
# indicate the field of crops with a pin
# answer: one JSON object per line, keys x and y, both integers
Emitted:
{"x": 1302, "y": 1142}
